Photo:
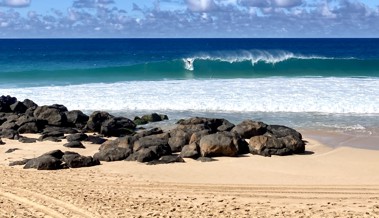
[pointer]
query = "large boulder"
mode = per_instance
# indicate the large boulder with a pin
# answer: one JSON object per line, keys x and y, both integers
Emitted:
{"x": 75, "y": 160}
{"x": 6, "y": 102}
{"x": 29, "y": 104}
{"x": 178, "y": 139}
{"x": 31, "y": 127}
{"x": 143, "y": 155}
{"x": 54, "y": 114}
{"x": 196, "y": 136}
{"x": 218, "y": 144}
{"x": 289, "y": 137}
{"x": 122, "y": 142}
{"x": 28, "y": 124}
{"x": 211, "y": 124}
{"x": 77, "y": 118}
{"x": 18, "y": 107}
{"x": 44, "y": 162}
{"x": 150, "y": 148}
{"x": 117, "y": 126}
{"x": 266, "y": 145}
{"x": 190, "y": 151}
{"x": 112, "y": 154}
{"x": 152, "y": 141}
{"x": 96, "y": 120}
{"x": 278, "y": 140}
{"x": 250, "y": 128}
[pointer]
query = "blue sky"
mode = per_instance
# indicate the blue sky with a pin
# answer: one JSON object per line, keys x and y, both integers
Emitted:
{"x": 188, "y": 18}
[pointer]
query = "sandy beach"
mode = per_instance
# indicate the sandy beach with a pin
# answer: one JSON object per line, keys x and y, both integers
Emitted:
{"x": 327, "y": 181}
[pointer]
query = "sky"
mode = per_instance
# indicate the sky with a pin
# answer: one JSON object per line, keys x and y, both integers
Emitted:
{"x": 188, "y": 18}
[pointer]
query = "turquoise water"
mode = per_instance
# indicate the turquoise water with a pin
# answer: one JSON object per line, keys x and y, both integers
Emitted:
{"x": 307, "y": 83}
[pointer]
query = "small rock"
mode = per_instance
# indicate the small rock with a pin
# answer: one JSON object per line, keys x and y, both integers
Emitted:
{"x": 95, "y": 140}
{"x": 205, "y": 159}
{"x": 77, "y": 137}
{"x": 11, "y": 150}
{"x": 74, "y": 144}
{"x": 27, "y": 140}
{"x": 167, "y": 159}
{"x": 19, "y": 162}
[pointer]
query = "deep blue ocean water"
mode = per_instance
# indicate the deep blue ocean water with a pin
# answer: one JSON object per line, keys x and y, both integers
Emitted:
{"x": 307, "y": 83}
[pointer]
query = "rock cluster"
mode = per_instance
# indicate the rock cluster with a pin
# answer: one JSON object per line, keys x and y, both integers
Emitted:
{"x": 57, "y": 159}
{"x": 204, "y": 137}
{"x": 53, "y": 121}
{"x": 198, "y": 138}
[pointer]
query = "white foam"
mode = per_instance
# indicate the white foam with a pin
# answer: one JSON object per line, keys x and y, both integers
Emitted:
{"x": 324, "y": 95}
{"x": 255, "y": 56}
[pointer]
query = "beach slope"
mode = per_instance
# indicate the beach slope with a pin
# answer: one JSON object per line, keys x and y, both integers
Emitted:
{"x": 324, "y": 182}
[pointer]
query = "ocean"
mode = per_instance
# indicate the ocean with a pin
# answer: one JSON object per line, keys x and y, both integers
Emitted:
{"x": 320, "y": 84}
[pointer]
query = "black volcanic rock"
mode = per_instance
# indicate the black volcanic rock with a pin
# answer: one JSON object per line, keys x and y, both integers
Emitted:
{"x": 54, "y": 114}
{"x": 27, "y": 140}
{"x": 167, "y": 159}
{"x": 218, "y": 144}
{"x": 117, "y": 126}
{"x": 74, "y": 144}
{"x": 112, "y": 154}
{"x": 44, "y": 162}
{"x": 6, "y": 102}
{"x": 77, "y": 137}
{"x": 29, "y": 103}
{"x": 18, "y": 107}
{"x": 75, "y": 160}
{"x": 250, "y": 128}
{"x": 96, "y": 120}
{"x": 76, "y": 118}
{"x": 9, "y": 134}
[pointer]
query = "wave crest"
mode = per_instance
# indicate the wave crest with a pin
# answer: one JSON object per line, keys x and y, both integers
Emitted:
{"x": 253, "y": 56}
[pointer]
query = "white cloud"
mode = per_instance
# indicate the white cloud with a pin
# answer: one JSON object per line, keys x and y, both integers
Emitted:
{"x": 200, "y": 5}
{"x": 326, "y": 12}
{"x": 287, "y": 3}
{"x": 255, "y": 3}
{"x": 15, "y": 3}
{"x": 197, "y": 18}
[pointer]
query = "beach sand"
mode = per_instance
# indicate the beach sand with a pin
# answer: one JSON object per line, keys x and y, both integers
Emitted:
{"x": 340, "y": 179}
